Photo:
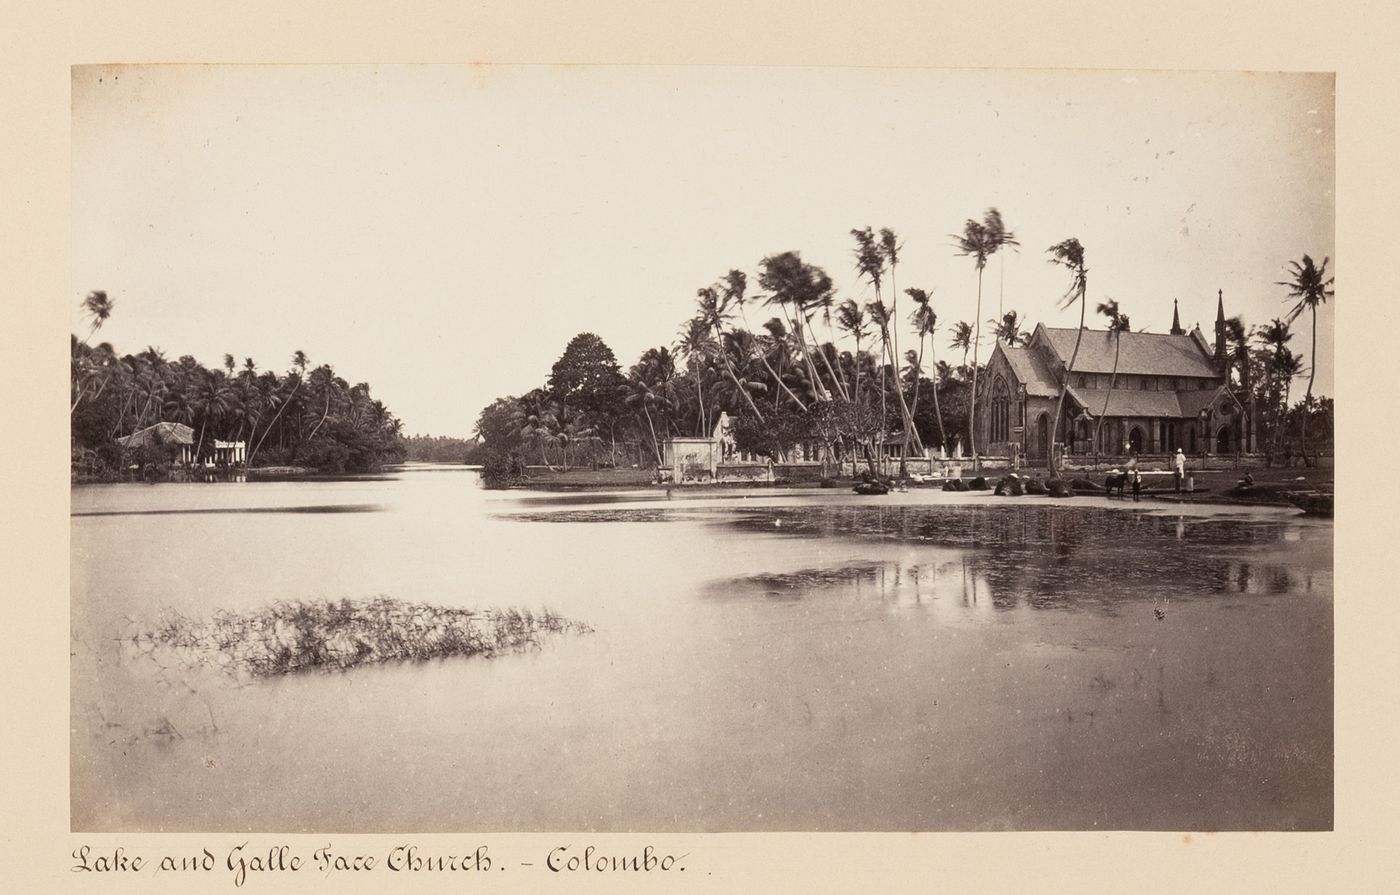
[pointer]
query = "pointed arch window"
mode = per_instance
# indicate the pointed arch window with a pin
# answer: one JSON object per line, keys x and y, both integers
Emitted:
{"x": 1001, "y": 411}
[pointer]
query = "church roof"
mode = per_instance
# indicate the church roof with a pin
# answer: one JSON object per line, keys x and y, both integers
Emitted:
{"x": 1031, "y": 371}
{"x": 1130, "y": 402}
{"x": 1144, "y": 354}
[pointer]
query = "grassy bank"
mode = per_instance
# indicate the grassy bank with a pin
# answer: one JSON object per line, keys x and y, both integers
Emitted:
{"x": 300, "y": 636}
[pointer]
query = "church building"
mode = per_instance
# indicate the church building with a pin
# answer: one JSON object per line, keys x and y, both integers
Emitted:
{"x": 1170, "y": 390}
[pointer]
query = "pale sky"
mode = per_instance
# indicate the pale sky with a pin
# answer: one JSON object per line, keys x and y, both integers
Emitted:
{"x": 441, "y": 232}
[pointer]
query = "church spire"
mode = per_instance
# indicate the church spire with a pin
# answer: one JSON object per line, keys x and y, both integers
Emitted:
{"x": 1176, "y": 321}
{"x": 1220, "y": 345}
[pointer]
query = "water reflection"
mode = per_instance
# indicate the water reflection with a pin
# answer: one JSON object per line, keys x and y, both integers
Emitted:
{"x": 791, "y": 661}
{"x": 1045, "y": 557}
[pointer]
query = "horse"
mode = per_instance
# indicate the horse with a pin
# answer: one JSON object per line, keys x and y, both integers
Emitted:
{"x": 1116, "y": 481}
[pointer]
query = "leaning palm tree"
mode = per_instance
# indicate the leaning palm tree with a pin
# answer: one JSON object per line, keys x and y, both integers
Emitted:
{"x": 823, "y": 304}
{"x": 99, "y": 307}
{"x": 1118, "y": 324}
{"x": 798, "y": 288}
{"x": 1070, "y": 255}
{"x": 715, "y": 303}
{"x": 980, "y": 240}
{"x": 1310, "y": 285}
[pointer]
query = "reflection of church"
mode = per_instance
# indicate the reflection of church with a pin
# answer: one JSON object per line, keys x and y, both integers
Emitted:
{"x": 1171, "y": 391}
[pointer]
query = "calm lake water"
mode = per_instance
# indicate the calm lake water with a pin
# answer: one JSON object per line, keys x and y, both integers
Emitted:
{"x": 761, "y": 660}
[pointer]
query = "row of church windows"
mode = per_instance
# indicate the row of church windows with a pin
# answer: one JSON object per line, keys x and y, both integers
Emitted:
{"x": 1144, "y": 383}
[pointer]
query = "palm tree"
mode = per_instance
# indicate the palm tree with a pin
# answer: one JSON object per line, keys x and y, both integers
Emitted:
{"x": 698, "y": 346}
{"x": 824, "y": 303}
{"x": 1311, "y": 286}
{"x": 647, "y": 387}
{"x": 535, "y": 419}
{"x": 997, "y": 228}
{"x": 299, "y": 360}
{"x": 890, "y": 248}
{"x": 1118, "y": 324}
{"x": 1280, "y": 368}
{"x": 778, "y": 344}
{"x": 323, "y": 380}
{"x": 1237, "y": 337}
{"x": 797, "y": 287}
{"x": 980, "y": 241}
{"x": 1008, "y": 329}
{"x": 870, "y": 263}
{"x": 99, "y": 307}
{"x": 714, "y": 309}
{"x": 962, "y": 338}
{"x": 850, "y": 317}
{"x": 1070, "y": 255}
{"x": 209, "y": 400}
{"x": 925, "y": 322}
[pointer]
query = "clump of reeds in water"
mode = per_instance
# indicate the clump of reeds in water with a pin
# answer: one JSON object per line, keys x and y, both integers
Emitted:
{"x": 304, "y": 635}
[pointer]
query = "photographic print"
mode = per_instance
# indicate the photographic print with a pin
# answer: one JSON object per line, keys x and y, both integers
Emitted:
{"x": 700, "y": 449}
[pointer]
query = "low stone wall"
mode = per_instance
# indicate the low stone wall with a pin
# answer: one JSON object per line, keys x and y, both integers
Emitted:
{"x": 797, "y": 472}
{"x": 743, "y": 472}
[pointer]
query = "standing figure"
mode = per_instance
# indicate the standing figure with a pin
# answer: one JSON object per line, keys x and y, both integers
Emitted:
{"x": 1179, "y": 468}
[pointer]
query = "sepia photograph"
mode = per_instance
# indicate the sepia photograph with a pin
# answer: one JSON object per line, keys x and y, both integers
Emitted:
{"x": 700, "y": 449}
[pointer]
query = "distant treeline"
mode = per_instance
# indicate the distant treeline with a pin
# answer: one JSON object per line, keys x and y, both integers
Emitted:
{"x": 439, "y": 448}
{"x": 307, "y": 416}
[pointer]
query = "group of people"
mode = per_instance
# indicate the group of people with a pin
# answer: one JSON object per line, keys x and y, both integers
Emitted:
{"x": 1134, "y": 475}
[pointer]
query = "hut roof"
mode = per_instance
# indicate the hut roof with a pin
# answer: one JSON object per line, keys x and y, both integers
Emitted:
{"x": 160, "y": 433}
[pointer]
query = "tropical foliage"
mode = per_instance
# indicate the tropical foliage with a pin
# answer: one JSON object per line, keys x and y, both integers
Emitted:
{"x": 300, "y": 417}
{"x": 809, "y": 365}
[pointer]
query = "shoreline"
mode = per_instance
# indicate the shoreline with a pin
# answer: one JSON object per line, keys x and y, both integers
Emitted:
{"x": 1269, "y": 493}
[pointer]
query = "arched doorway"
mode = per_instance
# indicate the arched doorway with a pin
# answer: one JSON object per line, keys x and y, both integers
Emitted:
{"x": 1135, "y": 438}
{"x": 1223, "y": 440}
{"x": 1042, "y": 437}
{"x": 1169, "y": 436}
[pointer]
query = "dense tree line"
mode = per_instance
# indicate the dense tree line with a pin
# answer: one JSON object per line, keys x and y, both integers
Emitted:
{"x": 783, "y": 382}
{"x": 307, "y": 416}
{"x": 816, "y": 368}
